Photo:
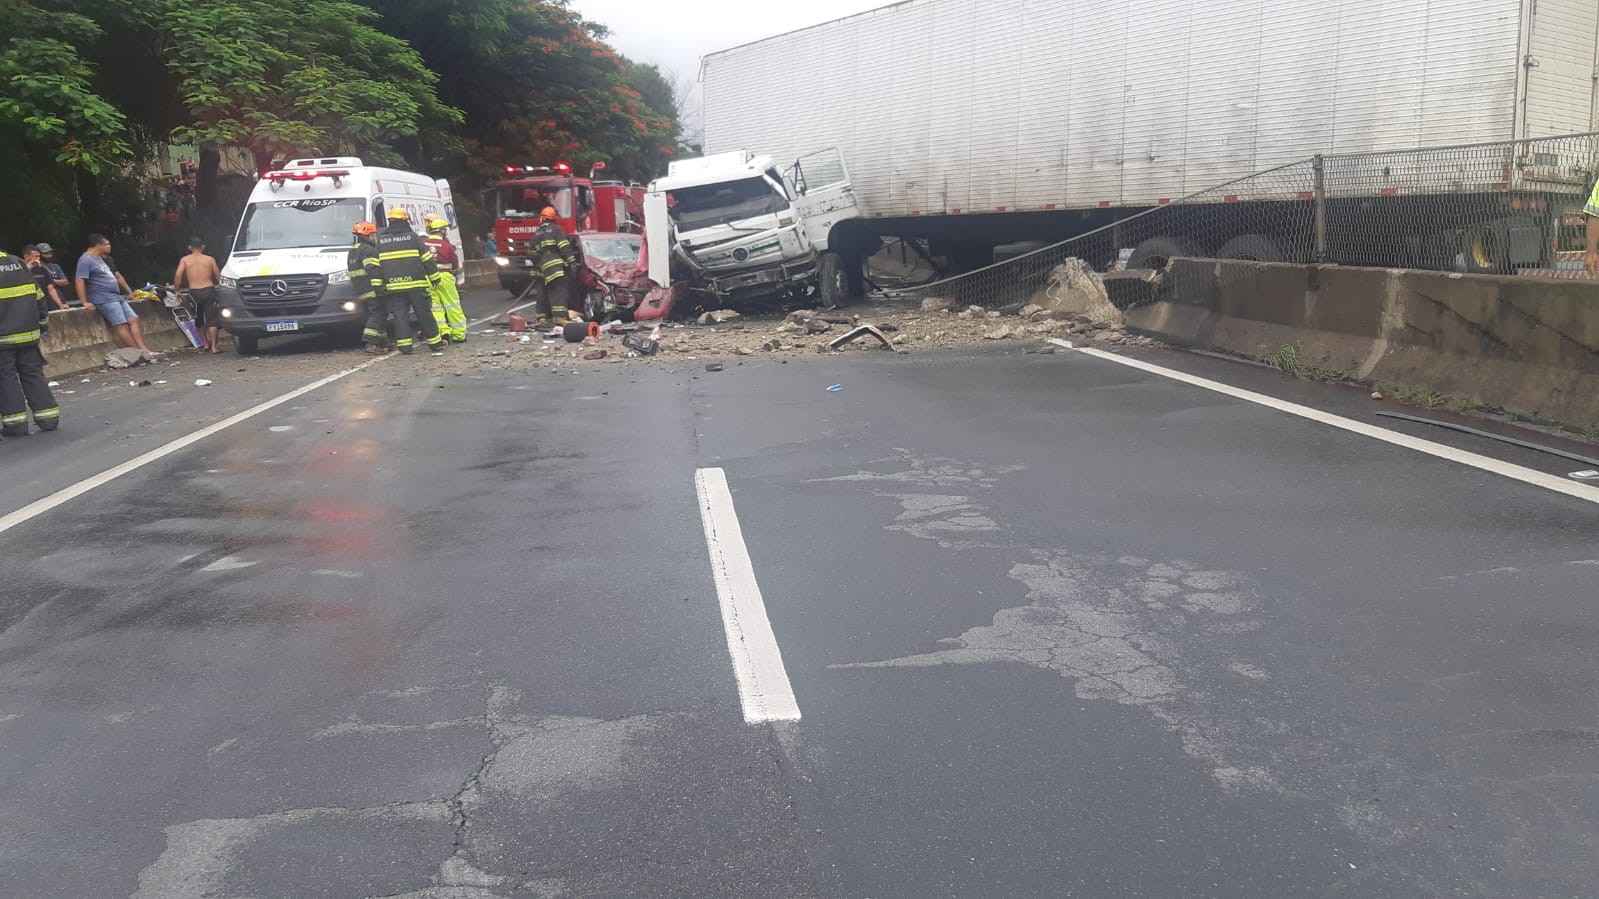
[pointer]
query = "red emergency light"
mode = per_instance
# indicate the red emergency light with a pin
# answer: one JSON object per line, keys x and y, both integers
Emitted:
{"x": 306, "y": 176}
{"x": 563, "y": 168}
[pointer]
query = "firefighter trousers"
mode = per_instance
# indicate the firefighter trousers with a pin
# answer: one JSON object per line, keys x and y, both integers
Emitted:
{"x": 555, "y": 298}
{"x": 447, "y": 310}
{"x": 376, "y": 331}
{"x": 405, "y": 304}
{"x": 23, "y": 387}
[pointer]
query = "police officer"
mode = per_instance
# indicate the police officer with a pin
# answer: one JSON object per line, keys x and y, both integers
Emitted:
{"x": 446, "y": 298}
{"x": 22, "y": 382}
{"x": 375, "y": 335}
{"x": 552, "y": 257}
{"x": 400, "y": 269}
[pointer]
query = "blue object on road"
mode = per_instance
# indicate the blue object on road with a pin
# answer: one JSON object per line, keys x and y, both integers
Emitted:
{"x": 835, "y": 388}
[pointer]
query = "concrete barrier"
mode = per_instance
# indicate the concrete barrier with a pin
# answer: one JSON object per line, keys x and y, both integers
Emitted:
{"x": 79, "y": 338}
{"x": 1529, "y": 346}
{"x": 482, "y": 273}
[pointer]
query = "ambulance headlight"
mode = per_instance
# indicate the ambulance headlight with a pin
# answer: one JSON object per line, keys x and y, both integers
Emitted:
{"x": 339, "y": 278}
{"x": 349, "y": 306}
{"x": 227, "y": 282}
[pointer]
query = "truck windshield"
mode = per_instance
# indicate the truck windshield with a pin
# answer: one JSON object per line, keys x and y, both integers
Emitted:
{"x": 309, "y": 222}
{"x": 729, "y": 201}
{"x": 528, "y": 200}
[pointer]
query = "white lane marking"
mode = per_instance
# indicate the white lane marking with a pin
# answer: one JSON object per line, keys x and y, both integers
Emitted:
{"x": 229, "y": 563}
{"x": 763, "y": 685}
{"x": 1474, "y": 460}
{"x": 39, "y": 507}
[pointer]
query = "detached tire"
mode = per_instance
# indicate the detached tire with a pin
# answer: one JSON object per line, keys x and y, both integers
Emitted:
{"x": 1157, "y": 252}
{"x": 1252, "y": 248}
{"x": 246, "y": 344}
{"x": 832, "y": 282}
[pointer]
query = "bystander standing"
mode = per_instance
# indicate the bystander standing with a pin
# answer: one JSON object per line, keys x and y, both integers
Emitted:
{"x": 490, "y": 248}
{"x": 199, "y": 273}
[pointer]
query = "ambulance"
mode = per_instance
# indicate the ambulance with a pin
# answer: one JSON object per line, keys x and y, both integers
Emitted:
{"x": 287, "y": 270}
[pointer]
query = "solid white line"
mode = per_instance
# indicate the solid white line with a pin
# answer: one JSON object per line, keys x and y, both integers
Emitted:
{"x": 763, "y": 685}
{"x": 1484, "y": 463}
{"x": 41, "y": 506}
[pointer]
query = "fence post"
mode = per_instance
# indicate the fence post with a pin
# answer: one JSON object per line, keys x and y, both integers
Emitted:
{"x": 1318, "y": 170}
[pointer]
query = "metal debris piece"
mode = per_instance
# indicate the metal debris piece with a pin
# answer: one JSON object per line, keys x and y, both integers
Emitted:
{"x": 860, "y": 332}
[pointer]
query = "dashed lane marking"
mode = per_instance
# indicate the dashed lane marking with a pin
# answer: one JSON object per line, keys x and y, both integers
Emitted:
{"x": 763, "y": 685}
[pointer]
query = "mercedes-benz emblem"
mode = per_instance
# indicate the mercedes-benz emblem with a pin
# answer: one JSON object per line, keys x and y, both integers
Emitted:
{"x": 280, "y": 288}
{"x": 741, "y": 254}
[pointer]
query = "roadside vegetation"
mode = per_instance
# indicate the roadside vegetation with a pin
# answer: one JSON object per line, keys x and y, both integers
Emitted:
{"x": 94, "y": 92}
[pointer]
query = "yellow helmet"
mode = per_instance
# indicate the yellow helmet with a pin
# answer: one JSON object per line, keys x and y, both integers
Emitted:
{"x": 398, "y": 213}
{"x": 438, "y": 224}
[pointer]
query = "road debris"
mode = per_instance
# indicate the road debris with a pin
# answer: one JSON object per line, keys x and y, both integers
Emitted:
{"x": 835, "y": 388}
{"x": 202, "y": 382}
{"x": 859, "y": 332}
{"x": 713, "y": 366}
{"x": 720, "y": 317}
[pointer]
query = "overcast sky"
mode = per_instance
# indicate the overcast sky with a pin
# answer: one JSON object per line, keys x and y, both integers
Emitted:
{"x": 674, "y": 34}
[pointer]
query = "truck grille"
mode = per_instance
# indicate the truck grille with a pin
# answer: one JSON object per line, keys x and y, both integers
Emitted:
{"x": 283, "y": 294}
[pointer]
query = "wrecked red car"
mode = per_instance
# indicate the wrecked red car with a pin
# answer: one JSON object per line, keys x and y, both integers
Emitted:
{"x": 613, "y": 284}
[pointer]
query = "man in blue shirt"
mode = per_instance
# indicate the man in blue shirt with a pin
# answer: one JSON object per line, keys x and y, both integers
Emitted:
{"x": 99, "y": 286}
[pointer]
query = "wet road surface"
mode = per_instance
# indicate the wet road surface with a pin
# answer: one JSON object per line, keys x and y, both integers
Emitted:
{"x": 1053, "y": 626}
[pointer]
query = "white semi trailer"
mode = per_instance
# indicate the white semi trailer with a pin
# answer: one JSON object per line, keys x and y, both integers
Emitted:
{"x": 970, "y": 123}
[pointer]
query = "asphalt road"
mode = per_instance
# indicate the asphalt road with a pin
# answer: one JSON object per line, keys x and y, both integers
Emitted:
{"x": 1053, "y": 626}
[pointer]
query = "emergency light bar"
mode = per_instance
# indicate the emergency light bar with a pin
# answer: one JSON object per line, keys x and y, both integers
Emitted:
{"x": 529, "y": 169}
{"x": 307, "y": 176}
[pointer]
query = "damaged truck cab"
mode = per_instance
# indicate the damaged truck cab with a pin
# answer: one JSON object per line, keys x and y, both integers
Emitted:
{"x": 739, "y": 230}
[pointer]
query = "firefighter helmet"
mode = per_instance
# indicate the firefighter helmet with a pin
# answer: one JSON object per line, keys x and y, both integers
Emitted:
{"x": 438, "y": 224}
{"x": 549, "y": 214}
{"x": 365, "y": 229}
{"x": 399, "y": 213}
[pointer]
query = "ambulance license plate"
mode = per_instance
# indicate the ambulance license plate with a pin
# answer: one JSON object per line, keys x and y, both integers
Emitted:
{"x": 282, "y": 326}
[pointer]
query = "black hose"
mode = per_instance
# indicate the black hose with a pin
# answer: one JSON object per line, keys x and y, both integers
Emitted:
{"x": 1502, "y": 439}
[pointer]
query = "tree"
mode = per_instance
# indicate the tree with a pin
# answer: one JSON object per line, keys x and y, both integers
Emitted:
{"x": 49, "y": 100}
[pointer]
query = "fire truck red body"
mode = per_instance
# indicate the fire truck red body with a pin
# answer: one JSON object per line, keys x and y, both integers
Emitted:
{"x": 580, "y": 204}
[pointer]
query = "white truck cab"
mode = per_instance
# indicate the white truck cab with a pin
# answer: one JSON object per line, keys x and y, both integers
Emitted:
{"x": 287, "y": 270}
{"x": 739, "y": 228}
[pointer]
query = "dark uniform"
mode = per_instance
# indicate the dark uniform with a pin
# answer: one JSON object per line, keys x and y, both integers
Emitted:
{"x": 22, "y": 382}
{"x": 376, "y": 332}
{"x": 552, "y": 257}
{"x": 400, "y": 268}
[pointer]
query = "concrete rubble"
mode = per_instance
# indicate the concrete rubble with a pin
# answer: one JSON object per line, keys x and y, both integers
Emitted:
{"x": 867, "y": 327}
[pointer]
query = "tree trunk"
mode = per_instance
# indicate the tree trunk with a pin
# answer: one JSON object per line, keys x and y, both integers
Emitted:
{"x": 205, "y": 186}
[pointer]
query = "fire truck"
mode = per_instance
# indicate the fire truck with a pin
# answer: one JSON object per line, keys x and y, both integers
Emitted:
{"x": 580, "y": 204}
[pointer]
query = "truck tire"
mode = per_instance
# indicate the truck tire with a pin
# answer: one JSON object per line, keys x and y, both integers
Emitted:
{"x": 1253, "y": 248}
{"x": 1157, "y": 251}
{"x": 832, "y": 281}
{"x": 246, "y": 344}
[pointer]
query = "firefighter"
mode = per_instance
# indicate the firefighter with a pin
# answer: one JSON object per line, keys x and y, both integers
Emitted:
{"x": 22, "y": 382}
{"x": 446, "y": 298}
{"x": 553, "y": 257}
{"x": 375, "y": 335}
{"x": 400, "y": 268}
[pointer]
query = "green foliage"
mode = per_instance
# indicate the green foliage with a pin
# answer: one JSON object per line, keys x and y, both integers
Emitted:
{"x": 286, "y": 78}
{"x": 457, "y": 86}
{"x": 48, "y": 95}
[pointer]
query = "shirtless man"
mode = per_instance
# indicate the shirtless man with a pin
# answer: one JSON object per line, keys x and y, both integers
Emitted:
{"x": 201, "y": 272}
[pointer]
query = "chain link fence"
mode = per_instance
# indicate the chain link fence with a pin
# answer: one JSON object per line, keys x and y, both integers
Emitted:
{"x": 1503, "y": 208}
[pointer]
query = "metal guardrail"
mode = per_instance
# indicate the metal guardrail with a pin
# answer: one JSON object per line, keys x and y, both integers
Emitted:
{"x": 1513, "y": 207}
